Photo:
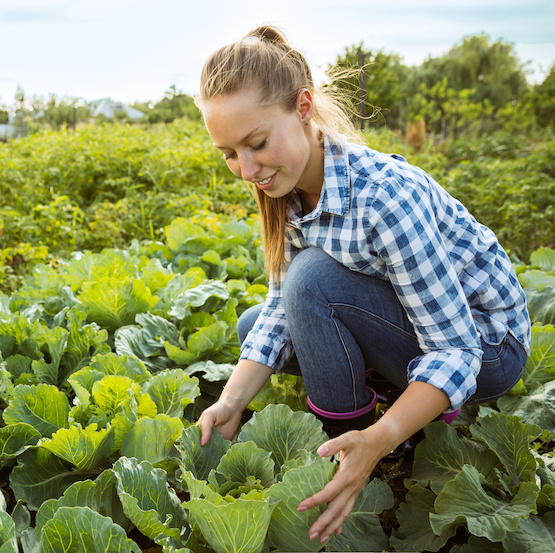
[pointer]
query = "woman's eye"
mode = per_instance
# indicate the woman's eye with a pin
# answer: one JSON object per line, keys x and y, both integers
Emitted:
{"x": 260, "y": 146}
{"x": 230, "y": 156}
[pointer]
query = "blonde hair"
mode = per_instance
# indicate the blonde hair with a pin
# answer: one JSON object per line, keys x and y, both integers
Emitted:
{"x": 264, "y": 60}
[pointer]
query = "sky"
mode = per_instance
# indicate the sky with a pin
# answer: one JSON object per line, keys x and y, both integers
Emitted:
{"x": 134, "y": 50}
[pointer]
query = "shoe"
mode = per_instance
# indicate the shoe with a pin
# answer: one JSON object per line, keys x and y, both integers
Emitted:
{"x": 335, "y": 424}
{"x": 386, "y": 391}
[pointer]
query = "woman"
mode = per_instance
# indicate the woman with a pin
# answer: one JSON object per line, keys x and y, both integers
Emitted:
{"x": 371, "y": 264}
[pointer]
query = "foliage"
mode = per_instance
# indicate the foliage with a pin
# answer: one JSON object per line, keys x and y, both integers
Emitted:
{"x": 127, "y": 255}
{"x": 382, "y": 75}
{"x": 544, "y": 100}
{"x": 174, "y": 105}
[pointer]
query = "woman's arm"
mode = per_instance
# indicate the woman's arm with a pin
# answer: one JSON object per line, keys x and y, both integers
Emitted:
{"x": 360, "y": 451}
{"x": 245, "y": 382}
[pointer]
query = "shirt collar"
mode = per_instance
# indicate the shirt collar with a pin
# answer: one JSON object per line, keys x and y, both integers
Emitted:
{"x": 336, "y": 189}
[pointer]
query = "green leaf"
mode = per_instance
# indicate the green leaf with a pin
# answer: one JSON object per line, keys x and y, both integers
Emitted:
{"x": 288, "y": 529}
{"x": 78, "y": 529}
{"x": 537, "y": 280}
{"x": 509, "y": 438}
{"x": 244, "y": 460}
{"x": 541, "y": 363}
{"x": 86, "y": 448}
{"x": 463, "y": 499}
{"x": 148, "y": 501}
{"x": 237, "y": 526}
{"x": 146, "y": 342}
{"x": 541, "y": 304}
{"x": 199, "y": 296}
{"x": 112, "y": 263}
{"x": 197, "y": 459}
{"x": 283, "y": 432}
{"x": 534, "y": 533}
{"x": 53, "y": 347}
{"x": 172, "y": 391}
{"x": 415, "y": 532}
{"x": 151, "y": 439}
{"x": 40, "y": 475}
{"x": 43, "y": 406}
{"x": 208, "y": 339}
{"x": 8, "y": 537}
{"x": 537, "y": 408}
{"x": 213, "y": 372}
{"x": 100, "y": 495}
{"x": 15, "y": 439}
{"x": 113, "y": 392}
{"x": 479, "y": 545}
{"x": 442, "y": 455}
{"x": 281, "y": 388}
{"x": 180, "y": 231}
{"x": 122, "y": 365}
{"x": 112, "y": 303}
{"x": 83, "y": 342}
{"x": 544, "y": 258}
{"x": 362, "y": 530}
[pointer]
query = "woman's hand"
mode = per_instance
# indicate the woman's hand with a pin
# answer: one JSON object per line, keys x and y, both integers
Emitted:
{"x": 223, "y": 417}
{"x": 360, "y": 451}
{"x": 358, "y": 455}
{"x": 244, "y": 383}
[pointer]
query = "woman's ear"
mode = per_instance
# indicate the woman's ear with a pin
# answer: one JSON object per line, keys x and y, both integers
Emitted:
{"x": 305, "y": 106}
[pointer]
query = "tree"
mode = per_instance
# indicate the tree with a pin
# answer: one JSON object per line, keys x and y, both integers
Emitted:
{"x": 544, "y": 100}
{"x": 446, "y": 111}
{"x": 174, "y": 105}
{"x": 57, "y": 113}
{"x": 383, "y": 75}
{"x": 492, "y": 70}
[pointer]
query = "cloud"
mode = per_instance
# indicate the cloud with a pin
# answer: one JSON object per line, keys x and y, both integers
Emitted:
{"x": 35, "y": 12}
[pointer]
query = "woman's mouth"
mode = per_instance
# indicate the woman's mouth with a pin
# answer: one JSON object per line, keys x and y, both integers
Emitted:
{"x": 266, "y": 184}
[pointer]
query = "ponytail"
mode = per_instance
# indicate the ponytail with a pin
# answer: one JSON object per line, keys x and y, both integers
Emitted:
{"x": 265, "y": 61}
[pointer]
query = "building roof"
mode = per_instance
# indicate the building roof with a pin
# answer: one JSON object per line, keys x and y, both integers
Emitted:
{"x": 109, "y": 107}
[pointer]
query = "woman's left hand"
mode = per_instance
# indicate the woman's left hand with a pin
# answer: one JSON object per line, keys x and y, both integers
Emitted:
{"x": 359, "y": 452}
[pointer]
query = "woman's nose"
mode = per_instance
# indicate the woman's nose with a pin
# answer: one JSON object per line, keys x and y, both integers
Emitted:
{"x": 249, "y": 166}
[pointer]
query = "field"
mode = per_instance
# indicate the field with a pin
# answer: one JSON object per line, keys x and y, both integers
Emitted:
{"x": 126, "y": 256}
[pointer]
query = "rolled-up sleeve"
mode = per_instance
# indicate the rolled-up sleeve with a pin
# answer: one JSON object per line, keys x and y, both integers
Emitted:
{"x": 403, "y": 231}
{"x": 269, "y": 341}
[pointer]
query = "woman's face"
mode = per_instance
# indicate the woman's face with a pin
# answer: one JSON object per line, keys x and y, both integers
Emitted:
{"x": 269, "y": 146}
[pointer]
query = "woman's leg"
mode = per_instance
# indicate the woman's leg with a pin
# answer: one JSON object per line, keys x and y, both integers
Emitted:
{"x": 362, "y": 325}
{"x": 342, "y": 322}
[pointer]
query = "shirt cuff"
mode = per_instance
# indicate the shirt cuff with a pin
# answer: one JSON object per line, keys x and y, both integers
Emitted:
{"x": 452, "y": 371}
{"x": 271, "y": 350}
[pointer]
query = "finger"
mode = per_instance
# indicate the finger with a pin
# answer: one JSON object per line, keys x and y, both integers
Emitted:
{"x": 206, "y": 423}
{"x": 325, "y": 495}
{"x": 334, "y": 446}
{"x": 332, "y": 519}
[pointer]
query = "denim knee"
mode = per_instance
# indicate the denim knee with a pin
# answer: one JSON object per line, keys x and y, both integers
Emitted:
{"x": 246, "y": 321}
{"x": 302, "y": 276}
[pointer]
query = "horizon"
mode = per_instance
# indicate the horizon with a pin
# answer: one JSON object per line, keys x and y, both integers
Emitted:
{"x": 134, "y": 50}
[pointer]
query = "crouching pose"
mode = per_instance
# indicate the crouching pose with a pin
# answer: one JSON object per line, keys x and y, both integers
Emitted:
{"x": 371, "y": 264}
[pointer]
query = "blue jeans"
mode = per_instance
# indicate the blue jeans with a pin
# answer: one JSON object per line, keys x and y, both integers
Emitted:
{"x": 343, "y": 322}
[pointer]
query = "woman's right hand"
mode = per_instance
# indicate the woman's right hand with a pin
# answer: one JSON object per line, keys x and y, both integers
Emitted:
{"x": 223, "y": 417}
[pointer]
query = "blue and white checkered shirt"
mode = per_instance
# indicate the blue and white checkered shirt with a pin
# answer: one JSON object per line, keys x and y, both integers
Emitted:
{"x": 383, "y": 217}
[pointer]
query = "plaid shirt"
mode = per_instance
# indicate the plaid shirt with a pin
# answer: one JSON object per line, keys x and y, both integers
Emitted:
{"x": 380, "y": 216}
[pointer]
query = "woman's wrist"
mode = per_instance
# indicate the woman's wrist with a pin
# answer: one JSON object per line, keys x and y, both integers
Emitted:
{"x": 245, "y": 382}
{"x": 419, "y": 405}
